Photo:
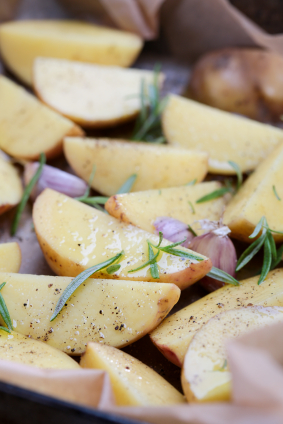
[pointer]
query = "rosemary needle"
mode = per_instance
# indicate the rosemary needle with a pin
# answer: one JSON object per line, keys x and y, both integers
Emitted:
{"x": 26, "y": 195}
{"x": 5, "y": 313}
{"x": 271, "y": 256}
{"x": 80, "y": 279}
{"x": 215, "y": 273}
{"x": 275, "y": 192}
{"x": 148, "y": 123}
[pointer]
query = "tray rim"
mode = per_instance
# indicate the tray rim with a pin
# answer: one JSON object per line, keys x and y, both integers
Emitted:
{"x": 23, "y": 394}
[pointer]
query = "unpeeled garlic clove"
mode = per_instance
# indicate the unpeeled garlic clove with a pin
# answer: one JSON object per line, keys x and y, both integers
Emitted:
{"x": 54, "y": 178}
{"x": 173, "y": 229}
{"x": 220, "y": 249}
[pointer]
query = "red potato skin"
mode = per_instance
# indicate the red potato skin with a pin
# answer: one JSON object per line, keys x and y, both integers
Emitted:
{"x": 171, "y": 356}
{"x": 244, "y": 81}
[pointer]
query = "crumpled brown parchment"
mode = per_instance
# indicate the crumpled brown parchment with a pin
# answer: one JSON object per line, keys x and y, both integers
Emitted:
{"x": 192, "y": 27}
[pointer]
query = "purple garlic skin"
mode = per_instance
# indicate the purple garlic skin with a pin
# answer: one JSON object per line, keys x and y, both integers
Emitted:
{"x": 173, "y": 230}
{"x": 56, "y": 179}
{"x": 220, "y": 249}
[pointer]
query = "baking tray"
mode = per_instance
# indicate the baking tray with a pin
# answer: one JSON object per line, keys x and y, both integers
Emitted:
{"x": 23, "y": 406}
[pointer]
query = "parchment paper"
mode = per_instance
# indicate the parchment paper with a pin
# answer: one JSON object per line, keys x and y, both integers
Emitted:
{"x": 192, "y": 27}
{"x": 255, "y": 361}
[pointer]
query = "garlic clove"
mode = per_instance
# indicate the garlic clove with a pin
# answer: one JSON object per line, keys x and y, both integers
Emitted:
{"x": 173, "y": 229}
{"x": 54, "y": 178}
{"x": 220, "y": 249}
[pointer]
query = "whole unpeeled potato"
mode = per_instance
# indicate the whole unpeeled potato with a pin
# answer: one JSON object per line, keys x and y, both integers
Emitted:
{"x": 244, "y": 81}
{"x": 8, "y": 9}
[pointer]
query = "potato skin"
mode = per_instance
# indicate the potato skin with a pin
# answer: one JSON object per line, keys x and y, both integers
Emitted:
{"x": 244, "y": 81}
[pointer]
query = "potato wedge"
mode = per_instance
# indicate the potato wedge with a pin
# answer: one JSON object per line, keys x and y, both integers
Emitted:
{"x": 133, "y": 383}
{"x": 10, "y": 257}
{"x": 205, "y": 374}
{"x": 16, "y": 347}
{"x": 142, "y": 208}
{"x": 112, "y": 312}
{"x": 174, "y": 335}
{"x": 11, "y": 189}
{"x": 27, "y": 127}
{"x": 191, "y": 125}
{"x": 156, "y": 166}
{"x": 74, "y": 237}
{"x": 22, "y": 41}
{"x": 256, "y": 198}
{"x": 91, "y": 95}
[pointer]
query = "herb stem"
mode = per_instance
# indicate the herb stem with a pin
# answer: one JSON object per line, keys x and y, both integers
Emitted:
{"x": 275, "y": 192}
{"x": 26, "y": 195}
{"x": 214, "y": 195}
{"x": 148, "y": 123}
{"x": 5, "y": 313}
{"x": 271, "y": 256}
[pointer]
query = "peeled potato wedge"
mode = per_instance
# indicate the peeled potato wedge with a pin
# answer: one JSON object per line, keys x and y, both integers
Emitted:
{"x": 174, "y": 335}
{"x": 91, "y": 95}
{"x": 27, "y": 127}
{"x": 256, "y": 198}
{"x": 10, "y": 257}
{"x": 111, "y": 312}
{"x": 226, "y": 137}
{"x": 115, "y": 160}
{"x": 16, "y": 347}
{"x": 142, "y": 208}
{"x": 22, "y": 41}
{"x": 74, "y": 237}
{"x": 11, "y": 189}
{"x": 205, "y": 374}
{"x": 133, "y": 383}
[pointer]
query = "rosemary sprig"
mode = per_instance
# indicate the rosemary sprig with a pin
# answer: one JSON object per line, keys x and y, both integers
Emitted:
{"x": 275, "y": 192}
{"x": 113, "y": 268}
{"x": 228, "y": 188}
{"x": 278, "y": 257}
{"x": 26, "y": 195}
{"x": 170, "y": 249}
{"x": 127, "y": 186}
{"x": 93, "y": 201}
{"x": 223, "y": 276}
{"x": 96, "y": 201}
{"x": 192, "y": 231}
{"x": 223, "y": 366}
{"x": 148, "y": 123}
{"x": 80, "y": 279}
{"x": 258, "y": 227}
{"x": 192, "y": 207}
{"x": 153, "y": 267}
{"x": 214, "y": 195}
{"x": 5, "y": 313}
{"x": 101, "y": 200}
{"x": 271, "y": 256}
{"x": 167, "y": 249}
{"x": 236, "y": 167}
{"x": 149, "y": 262}
{"x": 192, "y": 183}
